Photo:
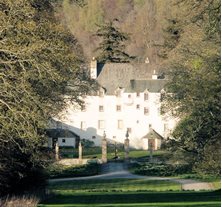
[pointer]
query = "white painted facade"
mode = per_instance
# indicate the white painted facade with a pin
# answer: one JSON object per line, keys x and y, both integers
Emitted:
{"x": 115, "y": 123}
{"x": 63, "y": 142}
{"x": 132, "y": 111}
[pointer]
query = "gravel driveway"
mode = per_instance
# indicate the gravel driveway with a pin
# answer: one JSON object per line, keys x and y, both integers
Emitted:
{"x": 118, "y": 170}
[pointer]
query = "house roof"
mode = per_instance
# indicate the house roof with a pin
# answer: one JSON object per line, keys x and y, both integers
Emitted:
{"x": 152, "y": 134}
{"x": 131, "y": 77}
{"x": 55, "y": 133}
{"x": 151, "y": 85}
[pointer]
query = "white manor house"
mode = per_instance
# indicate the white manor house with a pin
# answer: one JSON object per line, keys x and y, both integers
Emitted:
{"x": 129, "y": 99}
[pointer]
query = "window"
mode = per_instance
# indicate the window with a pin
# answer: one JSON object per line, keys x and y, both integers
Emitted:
{"x": 129, "y": 130}
{"x": 118, "y": 93}
{"x": 101, "y": 124}
{"x": 137, "y": 121}
{"x": 118, "y": 108}
{"x": 129, "y": 96}
{"x": 63, "y": 140}
{"x": 83, "y": 125}
{"x": 146, "y": 111}
{"x": 137, "y": 94}
{"x": 101, "y": 94}
{"x": 120, "y": 124}
{"x": 150, "y": 125}
{"x": 93, "y": 137}
{"x": 145, "y": 96}
{"x": 137, "y": 106}
{"x": 101, "y": 108}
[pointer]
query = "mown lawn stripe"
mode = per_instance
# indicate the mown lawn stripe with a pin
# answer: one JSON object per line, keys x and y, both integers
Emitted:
{"x": 134, "y": 197}
{"x": 168, "y": 204}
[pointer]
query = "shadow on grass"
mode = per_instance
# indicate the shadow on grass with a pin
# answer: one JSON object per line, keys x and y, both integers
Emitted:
{"x": 112, "y": 198}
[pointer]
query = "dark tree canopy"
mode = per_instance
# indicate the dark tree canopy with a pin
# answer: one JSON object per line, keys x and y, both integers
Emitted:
{"x": 194, "y": 62}
{"x": 39, "y": 74}
{"x": 112, "y": 46}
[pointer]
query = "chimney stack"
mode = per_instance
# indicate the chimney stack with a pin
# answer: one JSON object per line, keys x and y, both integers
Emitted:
{"x": 93, "y": 68}
{"x": 147, "y": 60}
{"x": 154, "y": 76}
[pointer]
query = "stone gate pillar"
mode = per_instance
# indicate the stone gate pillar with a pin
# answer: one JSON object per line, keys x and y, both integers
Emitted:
{"x": 57, "y": 151}
{"x": 80, "y": 152}
{"x": 104, "y": 148}
{"x": 126, "y": 146}
{"x": 150, "y": 146}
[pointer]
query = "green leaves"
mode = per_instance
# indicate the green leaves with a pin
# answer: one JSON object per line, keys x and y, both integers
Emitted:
{"x": 194, "y": 86}
{"x": 38, "y": 62}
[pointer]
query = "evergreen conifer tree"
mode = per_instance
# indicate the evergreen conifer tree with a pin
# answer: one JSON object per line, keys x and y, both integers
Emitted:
{"x": 112, "y": 46}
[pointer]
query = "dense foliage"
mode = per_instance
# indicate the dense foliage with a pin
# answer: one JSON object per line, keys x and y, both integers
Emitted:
{"x": 142, "y": 19}
{"x": 151, "y": 169}
{"x": 112, "y": 46}
{"x": 192, "y": 46}
{"x": 60, "y": 171}
{"x": 39, "y": 74}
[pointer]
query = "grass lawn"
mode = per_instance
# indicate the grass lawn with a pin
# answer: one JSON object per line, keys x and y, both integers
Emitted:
{"x": 113, "y": 185}
{"x": 215, "y": 180}
{"x": 199, "y": 199}
{"x": 126, "y": 192}
{"x": 121, "y": 154}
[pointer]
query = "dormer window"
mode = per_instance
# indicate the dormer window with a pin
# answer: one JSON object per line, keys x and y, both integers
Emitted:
{"x": 119, "y": 92}
{"x": 101, "y": 92}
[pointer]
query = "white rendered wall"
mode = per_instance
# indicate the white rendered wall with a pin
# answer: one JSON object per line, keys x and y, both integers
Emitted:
{"x": 68, "y": 141}
{"x": 131, "y": 116}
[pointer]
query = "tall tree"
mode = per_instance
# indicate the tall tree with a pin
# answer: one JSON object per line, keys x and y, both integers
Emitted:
{"x": 112, "y": 45}
{"x": 39, "y": 73}
{"x": 192, "y": 46}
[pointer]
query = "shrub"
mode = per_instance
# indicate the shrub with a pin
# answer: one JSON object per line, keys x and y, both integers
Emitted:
{"x": 152, "y": 169}
{"x": 60, "y": 171}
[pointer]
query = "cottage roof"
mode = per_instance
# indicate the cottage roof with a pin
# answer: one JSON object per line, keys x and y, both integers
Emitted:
{"x": 131, "y": 77}
{"x": 152, "y": 134}
{"x": 55, "y": 133}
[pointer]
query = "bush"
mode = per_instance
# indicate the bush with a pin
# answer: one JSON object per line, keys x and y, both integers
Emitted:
{"x": 61, "y": 171}
{"x": 87, "y": 143}
{"x": 151, "y": 169}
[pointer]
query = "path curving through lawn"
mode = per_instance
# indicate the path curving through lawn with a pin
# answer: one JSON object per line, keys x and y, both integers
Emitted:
{"x": 118, "y": 170}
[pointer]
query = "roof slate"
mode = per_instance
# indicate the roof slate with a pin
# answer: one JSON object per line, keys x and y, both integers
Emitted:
{"x": 55, "y": 133}
{"x": 131, "y": 77}
{"x": 152, "y": 134}
{"x": 153, "y": 86}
